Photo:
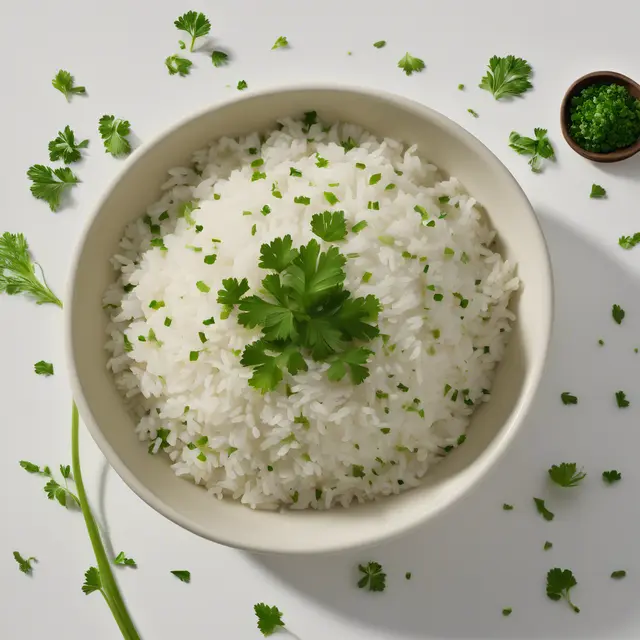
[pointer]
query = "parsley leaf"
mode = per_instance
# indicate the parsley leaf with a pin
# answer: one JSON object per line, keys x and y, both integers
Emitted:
{"x": 63, "y": 82}
{"x": 538, "y": 147}
{"x": 566, "y": 474}
{"x": 410, "y": 65}
{"x": 232, "y": 291}
{"x": 183, "y": 576}
{"x": 597, "y": 191}
{"x": 278, "y": 254}
{"x": 65, "y": 147}
{"x": 508, "y": 76}
{"x": 280, "y": 42}
{"x": 17, "y": 271}
{"x": 473, "y": 113}
{"x": 43, "y": 368}
{"x": 176, "y": 64}
{"x": 621, "y": 400}
{"x": 380, "y": 44}
{"x": 219, "y": 58}
{"x": 242, "y": 85}
{"x": 195, "y": 24}
{"x": 568, "y": 398}
{"x": 628, "y": 242}
{"x": 268, "y": 360}
{"x": 559, "y": 585}
{"x": 354, "y": 361}
{"x": 92, "y": 581}
{"x": 617, "y": 313}
{"x": 542, "y": 510}
{"x": 373, "y": 577}
{"x": 611, "y": 476}
{"x": 113, "y": 132}
{"x": 269, "y": 618}
{"x": 49, "y": 184}
{"x": 329, "y": 225}
{"x": 24, "y": 564}
{"x": 507, "y": 612}
{"x": 121, "y": 559}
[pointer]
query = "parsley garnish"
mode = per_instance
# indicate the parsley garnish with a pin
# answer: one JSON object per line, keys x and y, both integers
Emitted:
{"x": 65, "y": 147}
{"x": 113, "y": 132}
{"x": 321, "y": 163}
{"x": 538, "y": 147}
{"x": 374, "y": 579}
{"x": 616, "y": 575}
{"x": 621, "y": 400}
{"x": 49, "y": 184}
{"x": 242, "y": 85}
{"x": 507, "y": 612}
{"x": 17, "y": 271}
{"x": 195, "y": 24}
{"x": 547, "y": 545}
{"x": 566, "y": 474}
{"x": 559, "y": 585}
{"x": 542, "y": 510}
{"x": 63, "y": 82}
{"x": 24, "y": 564}
{"x": 219, "y": 58}
{"x": 508, "y": 76}
{"x": 568, "y": 398}
{"x": 597, "y": 191}
{"x": 329, "y": 225}
{"x": 410, "y": 65}
{"x": 52, "y": 488}
{"x": 628, "y": 242}
{"x": 473, "y": 113}
{"x": 122, "y": 560}
{"x": 280, "y": 42}
{"x": 269, "y": 618}
{"x": 349, "y": 144}
{"x": 611, "y": 476}
{"x": 380, "y": 44}
{"x": 183, "y": 576}
{"x": 617, "y": 312}
{"x": 43, "y": 368}
{"x": 359, "y": 226}
{"x": 507, "y": 507}
{"x": 176, "y": 64}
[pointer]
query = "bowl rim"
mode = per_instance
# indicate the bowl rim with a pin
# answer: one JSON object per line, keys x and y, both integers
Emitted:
{"x": 485, "y": 460}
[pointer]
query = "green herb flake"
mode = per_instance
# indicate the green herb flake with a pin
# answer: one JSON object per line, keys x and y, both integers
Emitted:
{"x": 182, "y": 575}
{"x": 628, "y": 242}
{"x": 242, "y": 85}
{"x": 618, "y": 575}
{"x": 295, "y": 172}
{"x": 373, "y": 205}
{"x": 123, "y": 561}
{"x": 460, "y": 87}
{"x": 63, "y": 81}
{"x": 597, "y": 191}
{"x": 507, "y": 612}
{"x": 547, "y": 545}
{"x": 366, "y": 276}
{"x": 611, "y": 477}
{"x": 178, "y": 65}
{"x": 473, "y": 113}
{"x": 24, "y": 564}
{"x": 409, "y": 64}
{"x": 542, "y": 509}
{"x": 380, "y": 44}
{"x": 375, "y": 178}
{"x": 568, "y": 398}
{"x": 359, "y": 226}
{"x": 621, "y": 400}
{"x": 362, "y": 166}
{"x": 566, "y": 474}
{"x": 219, "y": 58}
{"x": 331, "y": 198}
{"x": 617, "y": 312}
{"x": 280, "y": 43}
{"x": 195, "y": 24}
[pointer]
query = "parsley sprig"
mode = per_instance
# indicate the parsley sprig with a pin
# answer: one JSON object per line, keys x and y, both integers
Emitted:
{"x": 65, "y": 147}
{"x": 269, "y": 618}
{"x": 559, "y": 585}
{"x": 508, "y": 76}
{"x": 63, "y": 82}
{"x": 195, "y": 24}
{"x": 114, "y": 132}
{"x": 373, "y": 577}
{"x": 537, "y": 147}
{"x": 49, "y": 184}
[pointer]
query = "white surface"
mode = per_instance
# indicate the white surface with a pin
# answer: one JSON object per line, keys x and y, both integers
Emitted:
{"x": 474, "y": 560}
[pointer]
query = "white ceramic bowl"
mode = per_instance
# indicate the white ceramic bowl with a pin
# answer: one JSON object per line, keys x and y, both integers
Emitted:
{"x": 493, "y": 426}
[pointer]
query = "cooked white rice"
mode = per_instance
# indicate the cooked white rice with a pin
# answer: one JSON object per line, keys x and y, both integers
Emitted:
{"x": 444, "y": 351}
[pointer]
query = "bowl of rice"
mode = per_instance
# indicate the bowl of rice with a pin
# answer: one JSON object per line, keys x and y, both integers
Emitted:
{"x": 308, "y": 319}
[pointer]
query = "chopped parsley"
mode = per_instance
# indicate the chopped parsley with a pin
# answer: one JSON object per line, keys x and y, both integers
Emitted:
{"x": 373, "y": 578}
{"x": 375, "y": 178}
{"x": 460, "y": 87}
{"x": 566, "y": 474}
{"x": 114, "y": 132}
{"x": 508, "y": 76}
{"x": 182, "y": 575}
{"x": 178, "y": 65}
{"x": 507, "y": 507}
{"x": 24, "y": 564}
{"x": 242, "y": 85}
{"x": 473, "y": 113}
{"x": 597, "y": 191}
{"x": 43, "y": 368}
{"x": 302, "y": 200}
{"x": 348, "y": 144}
{"x": 50, "y": 184}
{"x": 621, "y": 400}
{"x": 65, "y": 147}
{"x": 610, "y": 477}
{"x": 568, "y": 398}
{"x": 122, "y": 560}
{"x": 542, "y": 509}
{"x": 219, "y": 58}
{"x": 321, "y": 162}
{"x": 359, "y": 226}
{"x": 617, "y": 312}
{"x": 538, "y": 147}
{"x": 559, "y": 585}
{"x": 331, "y": 198}
{"x": 295, "y": 172}
{"x": 195, "y": 24}
{"x": 63, "y": 82}
{"x": 409, "y": 64}
{"x": 380, "y": 44}
{"x": 269, "y": 618}
{"x": 280, "y": 42}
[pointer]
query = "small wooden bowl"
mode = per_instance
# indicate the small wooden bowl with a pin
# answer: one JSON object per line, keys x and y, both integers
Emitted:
{"x": 597, "y": 77}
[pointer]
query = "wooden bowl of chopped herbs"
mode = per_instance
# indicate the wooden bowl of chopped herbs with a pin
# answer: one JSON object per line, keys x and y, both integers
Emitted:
{"x": 600, "y": 116}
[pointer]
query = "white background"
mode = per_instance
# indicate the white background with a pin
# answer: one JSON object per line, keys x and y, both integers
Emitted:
{"x": 476, "y": 558}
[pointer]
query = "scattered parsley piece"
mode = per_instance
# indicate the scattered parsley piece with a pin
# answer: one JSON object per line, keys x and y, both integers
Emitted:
{"x": 628, "y": 242}
{"x": 219, "y": 58}
{"x": 611, "y": 476}
{"x": 621, "y": 400}
{"x": 508, "y": 76}
{"x": 121, "y": 559}
{"x": 331, "y": 198}
{"x": 542, "y": 510}
{"x": 63, "y": 82}
{"x": 559, "y": 585}
{"x": 348, "y": 144}
{"x": 359, "y": 226}
{"x": 373, "y": 577}
{"x": 269, "y": 618}
{"x": 566, "y": 474}
{"x": 49, "y": 184}
{"x": 507, "y": 612}
{"x": 473, "y": 113}
{"x": 295, "y": 172}
{"x": 601, "y": 342}
{"x": 65, "y": 147}
{"x": 195, "y": 24}
{"x": 17, "y": 271}
{"x": 507, "y": 507}
{"x": 329, "y": 225}
{"x": 43, "y": 368}
{"x": 617, "y": 312}
{"x": 203, "y": 287}
{"x": 366, "y": 276}
{"x": 92, "y": 581}
{"x": 616, "y": 575}
{"x": 375, "y": 178}
{"x": 176, "y": 64}
{"x": 321, "y": 162}
{"x": 460, "y": 87}
{"x": 547, "y": 545}
{"x": 380, "y": 44}
{"x": 232, "y": 291}
{"x": 183, "y": 576}
{"x": 113, "y": 132}
{"x": 597, "y": 191}
{"x": 242, "y": 85}
{"x": 258, "y": 175}
{"x": 538, "y": 147}
{"x": 410, "y": 65}
{"x": 568, "y": 398}
{"x": 280, "y": 43}
{"x": 310, "y": 118}
{"x": 24, "y": 564}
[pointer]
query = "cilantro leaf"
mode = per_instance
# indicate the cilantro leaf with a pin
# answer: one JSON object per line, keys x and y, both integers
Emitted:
{"x": 568, "y": 398}
{"x": 183, "y": 576}
{"x": 566, "y": 474}
{"x": 269, "y": 618}
{"x": 17, "y": 271}
{"x": 92, "y": 581}
{"x": 611, "y": 476}
{"x": 122, "y": 560}
{"x": 63, "y": 82}
{"x": 628, "y": 242}
{"x": 219, "y": 58}
{"x": 280, "y": 42}
{"x": 113, "y": 132}
{"x": 559, "y": 585}
{"x": 597, "y": 191}
{"x": 43, "y": 368}
{"x": 621, "y": 400}
{"x": 542, "y": 509}
{"x": 353, "y": 360}
{"x": 508, "y": 76}
{"x": 278, "y": 254}
{"x": 65, "y": 147}
{"x": 329, "y": 225}
{"x": 176, "y": 64}
{"x": 617, "y": 313}
{"x": 49, "y": 184}
{"x": 538, "y": 147}
{"x": 195, "y": 24}
{"x": 232, "y": 291}
{"x": 24, "y": 564}
{"x": 373, "y": 578}
{"x": 410, "y": 65}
